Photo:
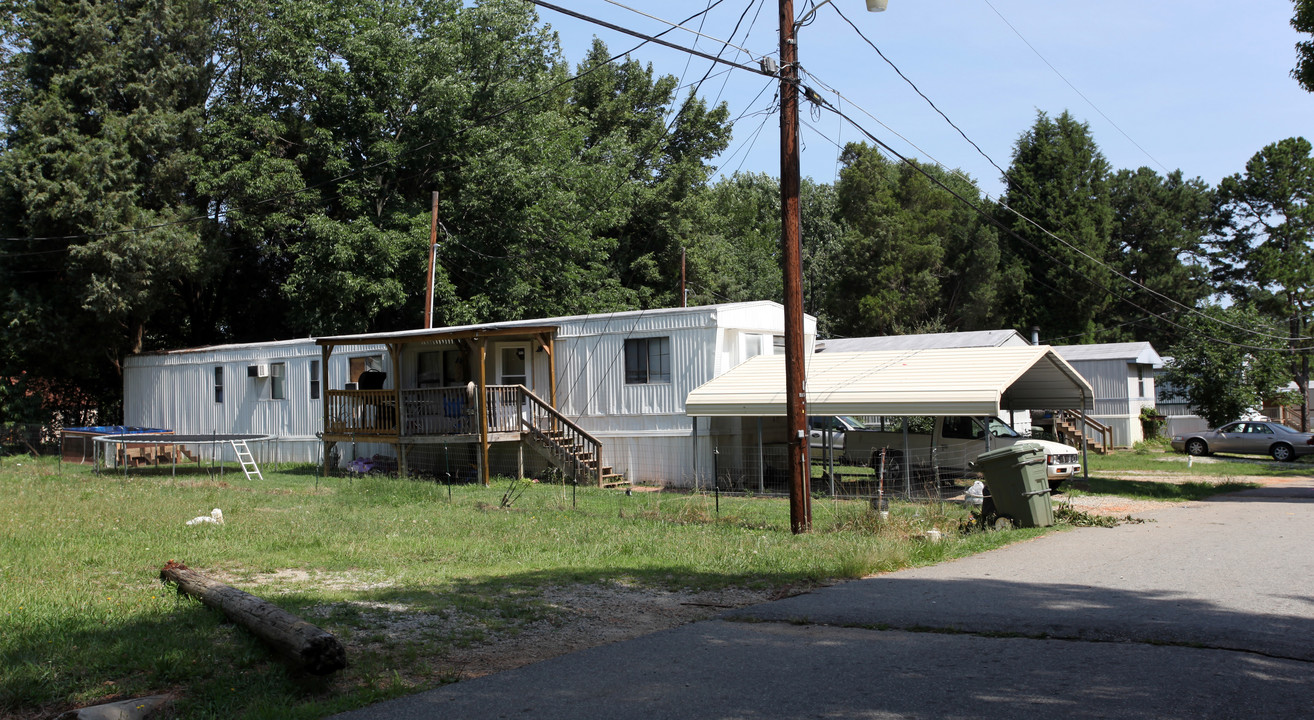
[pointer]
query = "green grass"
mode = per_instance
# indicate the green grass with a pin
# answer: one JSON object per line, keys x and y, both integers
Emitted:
{"x": 1169, "y": 477}
{"x": 84, "y": 619}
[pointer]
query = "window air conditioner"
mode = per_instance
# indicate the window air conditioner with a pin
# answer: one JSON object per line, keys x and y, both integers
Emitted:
{"x": 257, "y": 371}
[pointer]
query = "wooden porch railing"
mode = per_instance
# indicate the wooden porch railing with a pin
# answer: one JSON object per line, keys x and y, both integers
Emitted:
{"x": 427, "y": 411}
{"x": 570, "y": 443}
{"x": 439, "y": 411}
{"x": 361, "y": 412}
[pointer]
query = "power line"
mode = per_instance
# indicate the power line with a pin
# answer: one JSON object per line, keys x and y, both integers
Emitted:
{"x": 1098, "y": 262}
{"x": 1074, "y": 87}
{"x": 994, "y": 221}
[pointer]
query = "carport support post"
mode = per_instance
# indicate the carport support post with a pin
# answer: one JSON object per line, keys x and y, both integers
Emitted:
{"x": 907, "y": 461}
{"x": 761, "y": 460}
{"x": 1085, "y": 462}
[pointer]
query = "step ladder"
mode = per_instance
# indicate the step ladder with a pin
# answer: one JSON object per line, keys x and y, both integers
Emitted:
{"x": 248, "y": 461}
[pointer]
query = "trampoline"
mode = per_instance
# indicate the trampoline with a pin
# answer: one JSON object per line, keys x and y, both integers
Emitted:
{"x": 159, "y": 449}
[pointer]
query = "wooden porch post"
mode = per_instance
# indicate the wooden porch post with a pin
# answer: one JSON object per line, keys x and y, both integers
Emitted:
{"x": 394, "y": 349}
{"x": 483, "y": 411}
{"x": 325, "y": 352}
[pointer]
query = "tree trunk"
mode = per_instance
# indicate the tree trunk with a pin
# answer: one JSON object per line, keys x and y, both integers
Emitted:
{"x": 313, "y": 649}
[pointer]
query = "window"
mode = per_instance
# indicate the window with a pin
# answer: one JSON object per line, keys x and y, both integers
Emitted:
{"x": 648, "y": 360}
{"x": 778, "y": 344}
{"x": 1140, "y": 381}
{"x": 441, "y": 368}
{"x": 219, "y": 384}
{"x": 755, "y": 345}
{"x": 278, "y": 381}
{"x": 360, "y": 364}
{"x": 962, "y": 427}
{"x": 314, "y": 379}
{"x": 429, "y": 369}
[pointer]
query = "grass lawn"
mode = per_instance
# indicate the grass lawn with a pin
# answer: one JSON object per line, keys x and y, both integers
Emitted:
{"x": 84, "y": 619}
{"x": 1168, "y": 476}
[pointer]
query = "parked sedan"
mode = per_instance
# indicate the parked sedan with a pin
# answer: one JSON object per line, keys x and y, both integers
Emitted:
{"x": 1248, "y": 438}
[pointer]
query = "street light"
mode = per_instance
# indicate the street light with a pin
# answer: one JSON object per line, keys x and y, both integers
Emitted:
{"x": 800, "y": 496}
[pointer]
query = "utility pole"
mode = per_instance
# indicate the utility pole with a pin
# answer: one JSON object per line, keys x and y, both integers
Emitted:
{"x": 800, "y": 491}
{"x": 433, "y": 251}
{"x": 684, "y": 294}
{"x": 796, "y": 418}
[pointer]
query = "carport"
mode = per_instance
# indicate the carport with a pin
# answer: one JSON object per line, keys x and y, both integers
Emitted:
{"x": 973, "y": 382}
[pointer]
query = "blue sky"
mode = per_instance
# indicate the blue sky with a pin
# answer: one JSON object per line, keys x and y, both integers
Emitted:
{"x": 1199, "y": 86}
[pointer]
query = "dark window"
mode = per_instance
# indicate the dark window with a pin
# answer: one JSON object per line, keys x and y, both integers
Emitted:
{"x": 314, "y": 379}
{"x": 429, "y": 369}
{"x": 965, "y": 428}
{"x": 218, "y": 384}
{"x": 648, "y": 360}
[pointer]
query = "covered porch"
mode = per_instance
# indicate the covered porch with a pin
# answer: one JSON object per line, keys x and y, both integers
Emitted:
{"x": 474, "y": 385}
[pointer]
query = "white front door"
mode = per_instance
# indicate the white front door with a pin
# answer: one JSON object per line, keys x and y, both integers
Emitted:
{"x": 515, "y": 364}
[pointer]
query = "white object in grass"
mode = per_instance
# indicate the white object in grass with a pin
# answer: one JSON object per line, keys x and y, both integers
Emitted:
{"x": 216, "y": 516}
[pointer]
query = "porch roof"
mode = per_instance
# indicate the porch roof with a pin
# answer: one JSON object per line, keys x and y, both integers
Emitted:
{"x": 464, "y": 332}
{"x": 938, "y": 381}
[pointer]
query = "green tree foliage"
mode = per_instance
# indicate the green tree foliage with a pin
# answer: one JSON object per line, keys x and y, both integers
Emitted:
{"x": 264, "y": 168}
{"x": 663, "y": 151}
{"x": 101, "y": 103}
{"x": 1303, "y": 21}
{"x": 1060, "y": 180}
{"x": 1158, "y": 226}
{"x": 1220, "y": 367}
{"x": 1264, "y": 240}
{"x": 912, "y": 252}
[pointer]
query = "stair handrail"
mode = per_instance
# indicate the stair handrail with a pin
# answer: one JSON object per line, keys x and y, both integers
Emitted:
{"x": 554, "y": 419}
{"x": 1105, "y": 431}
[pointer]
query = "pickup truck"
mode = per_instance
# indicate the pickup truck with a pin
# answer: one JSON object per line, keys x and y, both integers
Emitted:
{"x": 945, "y": 444}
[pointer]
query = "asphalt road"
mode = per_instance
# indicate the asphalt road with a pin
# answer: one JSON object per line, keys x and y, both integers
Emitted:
{"x": 1205, "y": 612}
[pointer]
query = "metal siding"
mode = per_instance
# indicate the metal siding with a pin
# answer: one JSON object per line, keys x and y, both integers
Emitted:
{"x": 176, "y": 391}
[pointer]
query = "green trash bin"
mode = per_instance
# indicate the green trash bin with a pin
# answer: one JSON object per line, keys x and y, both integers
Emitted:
{"x": 1016, "y": 478}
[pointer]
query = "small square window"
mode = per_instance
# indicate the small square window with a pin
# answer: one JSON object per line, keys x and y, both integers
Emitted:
{"x": 648, "y": 360}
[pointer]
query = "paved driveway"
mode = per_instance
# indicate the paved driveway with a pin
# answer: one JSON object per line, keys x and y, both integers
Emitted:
{"x": 1206, "y": 612}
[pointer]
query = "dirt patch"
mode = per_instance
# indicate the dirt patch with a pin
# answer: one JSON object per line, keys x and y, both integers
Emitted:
{"x": 592, "y": 615}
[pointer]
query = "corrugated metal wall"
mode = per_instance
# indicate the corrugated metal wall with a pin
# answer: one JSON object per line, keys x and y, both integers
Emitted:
{"x": 177, "y": 391}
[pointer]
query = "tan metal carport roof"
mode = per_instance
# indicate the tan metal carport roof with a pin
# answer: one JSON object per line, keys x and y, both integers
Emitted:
{"x": 944, "y": 381}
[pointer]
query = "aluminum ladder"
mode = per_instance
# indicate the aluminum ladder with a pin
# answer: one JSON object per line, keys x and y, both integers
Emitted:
{"x": 248, "y": 461}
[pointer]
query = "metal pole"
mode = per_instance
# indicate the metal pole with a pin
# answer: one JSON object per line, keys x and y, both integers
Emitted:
{"x": 800, "y": 499}
{"x": 761, "y": 460}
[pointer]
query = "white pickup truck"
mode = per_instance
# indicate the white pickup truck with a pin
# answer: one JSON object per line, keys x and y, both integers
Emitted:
{"x": 947, "y": 444}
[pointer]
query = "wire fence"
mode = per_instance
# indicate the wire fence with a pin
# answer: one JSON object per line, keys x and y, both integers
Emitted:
{"x": 705, "y": 463}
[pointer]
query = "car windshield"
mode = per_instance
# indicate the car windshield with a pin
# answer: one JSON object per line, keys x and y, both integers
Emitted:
{"x": 999, "y": 428}
{"x": 853, "y": 422}
{"x": 1279, "y": 427}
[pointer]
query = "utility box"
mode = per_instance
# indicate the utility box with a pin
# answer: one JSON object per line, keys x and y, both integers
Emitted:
{"x": 1018, "y": 484}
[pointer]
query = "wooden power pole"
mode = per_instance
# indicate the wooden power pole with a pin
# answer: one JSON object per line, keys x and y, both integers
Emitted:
{"x": 433, "y": 251}
{"x": 800, "y": 491}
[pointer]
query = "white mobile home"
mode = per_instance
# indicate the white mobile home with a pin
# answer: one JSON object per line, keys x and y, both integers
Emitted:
{"x": 271, "y": 388}
{"x": 1122, "y": 376}
{"x": 473, "y": 399}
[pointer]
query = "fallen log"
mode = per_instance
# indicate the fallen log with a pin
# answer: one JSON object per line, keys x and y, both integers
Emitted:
{"x": 310, "y": 647}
